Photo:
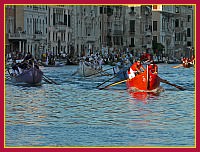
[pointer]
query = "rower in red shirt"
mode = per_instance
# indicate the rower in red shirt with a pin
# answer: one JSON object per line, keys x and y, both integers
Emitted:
{"x": 135, "y": 69}
{"x": 153, "y": 67}
{"x": 146, "y": 57}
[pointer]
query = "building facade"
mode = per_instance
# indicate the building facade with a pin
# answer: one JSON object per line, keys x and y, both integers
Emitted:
{"x": 173, "y": 27}
{"x": 28, "y": 30}
{"x": 59, "y": 38}
{"x": 78, "y": 30}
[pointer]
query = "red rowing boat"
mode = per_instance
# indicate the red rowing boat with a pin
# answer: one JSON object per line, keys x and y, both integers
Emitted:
{"x": 146, "y": 81}
{"x": 187, "y": 65}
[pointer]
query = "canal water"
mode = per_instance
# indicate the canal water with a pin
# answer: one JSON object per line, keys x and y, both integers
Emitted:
{"x": 76, "y": 113}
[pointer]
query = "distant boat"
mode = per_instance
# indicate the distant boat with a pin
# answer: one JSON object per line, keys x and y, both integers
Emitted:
{"x": 187, "y": 63}
{"x": 70, "y": 62}
{"x": 88, "y": 69}
{"x": 33, "y": 75}
{"x": 56, "y": 64}
{"x": 50, "y": 62}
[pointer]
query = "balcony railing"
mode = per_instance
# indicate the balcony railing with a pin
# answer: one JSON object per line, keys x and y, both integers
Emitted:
{"x": 132, "y": 13}
{"x": 24, "y": 36}
{"x": 147, "y": 33}
{"x": 89, "y": 39}
{"x": 17, "y": 36}
{"x": 38, "y": 37}
{"x": 60, "y": 26}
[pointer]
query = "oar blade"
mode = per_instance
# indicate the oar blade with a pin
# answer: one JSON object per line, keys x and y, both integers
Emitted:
{"x": 177, "y": 66}
{"x": 106, "y": 81}
{"x": 75, "y": 73}
{"x": 167, "y": 82}
{"x": 49, "y": 79}
{"x": 113, "y": 84}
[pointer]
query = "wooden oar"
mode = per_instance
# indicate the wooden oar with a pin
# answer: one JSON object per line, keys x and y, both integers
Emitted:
{"x": 113, "y": 84}
{"x": 178, "y": 66}
{"x": 107, "y": 80}
{"x": 48, "y": 79}
{"x": 167, "y": 82}
{"x": 75, "y": 73}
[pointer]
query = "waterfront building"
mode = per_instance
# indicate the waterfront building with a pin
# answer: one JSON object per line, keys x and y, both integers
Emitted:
{"x": 78, "y": 30}
{"x": 138, "y": 27}
{"x": 27, "y": 32}
{"x": 173, "y": 28}
{"x": 9, "y": 28}
{"x": 60, "y": 30}
{"x": 86, "y": 30}
{"x": 184, "y": 30}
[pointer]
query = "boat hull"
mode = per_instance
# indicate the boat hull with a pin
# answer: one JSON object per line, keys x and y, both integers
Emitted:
{"x": 187, "y": 65}
{"x": 85, "y": 70}
{"x": 30, "y": 76}
{"x": 144, "y": 81}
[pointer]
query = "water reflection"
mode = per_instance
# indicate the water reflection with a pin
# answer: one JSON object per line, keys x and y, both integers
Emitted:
{"x": 143, "y": 96}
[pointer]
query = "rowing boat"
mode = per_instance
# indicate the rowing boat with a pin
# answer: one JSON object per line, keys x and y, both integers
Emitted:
{"x": 146, "y": 81}
{"x": 188, "y": 62}
{"x": 187, "y": 65}
{"x": 33, "y": 75}
{"x": 86, "y": 70}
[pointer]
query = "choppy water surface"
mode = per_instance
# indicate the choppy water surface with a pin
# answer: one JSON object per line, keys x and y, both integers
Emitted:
{"x": 76, "y": 113}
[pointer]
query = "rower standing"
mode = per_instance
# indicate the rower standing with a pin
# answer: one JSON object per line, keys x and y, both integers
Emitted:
{"x": 153, "y": 67}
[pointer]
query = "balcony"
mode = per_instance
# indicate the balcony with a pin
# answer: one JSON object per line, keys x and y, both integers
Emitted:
{"x": 132, "y": 13}
{"x": 90, "y": 39}
{"x": 60, "y": 26}
{"x": 17, "y": 36}
{"x": 147, "y": 33}
{"x": 38, "y": 37}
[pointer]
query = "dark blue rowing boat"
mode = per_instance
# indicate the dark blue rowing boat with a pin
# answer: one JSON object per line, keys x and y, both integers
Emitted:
{"x": 33, "y": 75}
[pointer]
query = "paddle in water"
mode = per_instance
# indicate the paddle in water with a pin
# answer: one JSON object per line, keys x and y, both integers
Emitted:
{"x": 167, "y": 82}
{"x": 75, "y": 73}
{"x": 107, "y": 81}
{"x": 49, "y": 80}
{"x": 113, "y": 84}
{"x": 177, "y": 66}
